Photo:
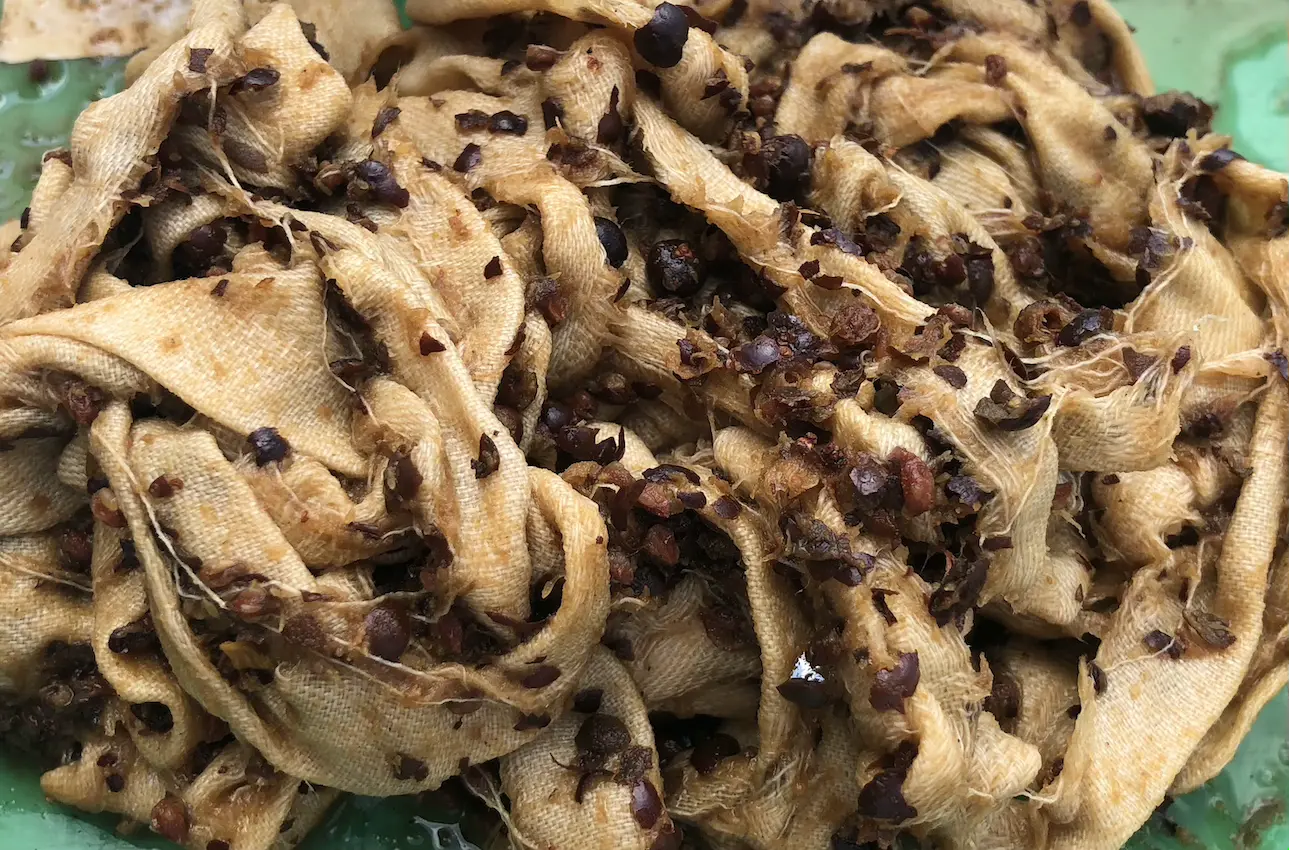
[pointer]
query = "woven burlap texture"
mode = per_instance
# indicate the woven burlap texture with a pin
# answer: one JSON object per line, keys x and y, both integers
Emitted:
{"x": 790, "y": 426}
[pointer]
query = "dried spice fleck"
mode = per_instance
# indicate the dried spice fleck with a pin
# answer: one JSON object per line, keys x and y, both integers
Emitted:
{"x": 429, "y": 345}
{"x": 540, "y": 57}
{"x": 646, "y": 805}
{"x": 106, "y": 509}
{"x": 756, "y": 356}
{"x": 84, "y": 402}
{"x": 995, "y": 69}
{"x": 1218, "y": 160}
{"x": 708, "y": 755}
{"x": 471, "y": 157}
{"x": 384, "y": 118}
{"x": 602, "y": 735}
{"x": 1212, "y": 630}
{"x": 1173, "y": 114}
{"x": 545, "y": 296}
{"x": 588, "y": 700}
{"x": 252, "y": 602}
{"x": 1086, "y": 325}
{"x": 489, "y": 460}
{"x": 951, "y": 375}
{"x": 882, "y": 797}
{"x": 854, "y": 326}
{"x": 716, "y": 84}
{"x": 268, "y": 446}
{"x": 507, "y": 123}
{"x": 807, "y": 687}
{"x": 674, "y": 268}
{"x": 381, "y": 183}
{"x": 410, "y": 769}
{"x": 692, "y": 500}
{"x": 388, "y": 632}
{"x": 892, "y": 687}
{"x": 255, "y": 80}
{"x": 660, "y": 545}
{"x": 997, "y": 543}
{"x": 1100, "y": 682}
{"x": 1004, "y": 701}
{"x": 1278, "y": 359}
{"x": 1158, "y": 642}
{"x": 529, "y": 722}
{"x": 539, "y": 676}
{"x": 613, "y": 240}
{"x": 552, "y": 113}
{"x": 1137, "y": 363}
{"x": 661, "y": 42}
{"x": 727, "y": 507}
{"x": 472, "y": 121}
{"x": 783, "y": 165}
{"x": 163, "y": 487}
{"x": 611, "y": 127}
{"x": 1008, "y": 411}
{"x": 198, "y": 57}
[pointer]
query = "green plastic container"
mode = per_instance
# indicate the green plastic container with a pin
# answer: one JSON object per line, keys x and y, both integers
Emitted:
{"x": 1230, "y": 52}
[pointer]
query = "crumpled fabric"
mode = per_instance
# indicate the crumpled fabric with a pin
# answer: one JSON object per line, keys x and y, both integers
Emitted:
{"x": 792, "y": 430}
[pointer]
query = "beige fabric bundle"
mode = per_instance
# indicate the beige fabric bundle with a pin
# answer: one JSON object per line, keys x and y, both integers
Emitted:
{"x": 798, "y": 430}
{"x": 30, "y": 29}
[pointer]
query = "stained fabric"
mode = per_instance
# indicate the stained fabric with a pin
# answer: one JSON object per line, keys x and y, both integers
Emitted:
{"x": 668, "y": 424}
